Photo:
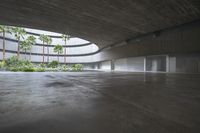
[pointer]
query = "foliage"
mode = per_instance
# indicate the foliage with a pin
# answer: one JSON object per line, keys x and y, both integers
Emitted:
{"x": 5, "y": 29}
{"x": 39, "y": 69}
{"x": 24, "y": 45}
{"x": 58, "y": 49}
{"x": 49, "y": 40}
{"x": 2, "y": 27}
{"x": 23, "y": 68}
{"x": 50, "y": 69}
{"x": 45, "y": 39}
{"x": 13, "y": 61}
{"x": 42, "y": 65}
{"x": 27, "y": 68}
{"x": 16, "y": 64}
{"x": 59, "y": 68}
{"x": 2, "y": 64}
{"x": 28, "y": 43}
{"x": 53, "y": 64}
{"x": 77, "y": 67}
{"x": 65, "y": 37}
{"x": 64, "y": 68}
{"x": 19, "y": 32}
{"x": 31, "y": 40}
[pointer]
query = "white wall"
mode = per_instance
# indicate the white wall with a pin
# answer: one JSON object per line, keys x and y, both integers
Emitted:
{"x": 130, "y": 64}
{"x": 106, "y": 65}
{"x": 172, "y": 64}
{"x": 75, "y": 59}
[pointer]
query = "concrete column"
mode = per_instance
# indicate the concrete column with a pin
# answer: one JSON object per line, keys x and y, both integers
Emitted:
{"x": 172, "y": 64}
{"x": 112, "y": 64}
{"x": 145, "y": 64}
{"x": 99, "y": 65}
{"x": 167, "y": 63}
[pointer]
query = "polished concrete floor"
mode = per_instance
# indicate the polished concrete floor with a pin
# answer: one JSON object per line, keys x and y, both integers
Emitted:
{"x": 99, "y": 102}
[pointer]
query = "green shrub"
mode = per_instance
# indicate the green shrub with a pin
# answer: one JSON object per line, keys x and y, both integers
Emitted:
{"x": 42, "y": 65}
{"x": 40, "y": 69}
{"x": 22, "y": 68}
{"x": 50, "y": 69}
{"x": 77, "y": 67}
{"x": 2, "y": 64}
{"x": 15, "y": 64}
{"x": 14, "y": 69}
{"x": 53, "y": 64}
{"x": 28, "y": 69}
{"x": 64, "y": 68}
{"x": 13, "y": 61}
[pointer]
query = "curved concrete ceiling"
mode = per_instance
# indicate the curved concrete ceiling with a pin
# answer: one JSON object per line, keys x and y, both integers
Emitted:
{"x": 103, "y": 22}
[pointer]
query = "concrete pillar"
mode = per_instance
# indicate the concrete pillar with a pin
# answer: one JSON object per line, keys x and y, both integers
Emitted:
{"x": 145, "y": 64}
{"x": 167, "y": 63}
{"x": 112, "y": 64}
{"x": 172, "y": 64}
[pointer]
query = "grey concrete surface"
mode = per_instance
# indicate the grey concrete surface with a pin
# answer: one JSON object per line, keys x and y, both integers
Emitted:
{"x": 103, "y": 22}
{"x": 98, "y": 102}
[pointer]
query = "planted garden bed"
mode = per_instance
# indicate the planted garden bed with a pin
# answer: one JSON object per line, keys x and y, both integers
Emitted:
{"x": 16, "y": 64}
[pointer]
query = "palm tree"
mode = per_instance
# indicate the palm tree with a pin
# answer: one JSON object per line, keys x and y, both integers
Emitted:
{"x": 25, "y": 45}
{"x": 32, "y": 41}
{"x": 58, "y": 49}
{"x": 49, "y": 41}
{"x": 4, "y": 30}
{"x": 19, "y": 33}
{"x": 43, "y": 38}
{"x": 65, "y": 39}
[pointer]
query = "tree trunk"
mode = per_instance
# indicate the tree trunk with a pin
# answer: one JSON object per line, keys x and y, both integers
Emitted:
{"x": 65, "y": 53}
{"x": 30, "y": 56}
{"x": 4, "y": 49}
{"x": 25, "y": 55}
{"x": 43, "y": 53}
{"x": 48, "y": 54}
{"x": 58, "y": 57}
{"x": 18, "y": 48}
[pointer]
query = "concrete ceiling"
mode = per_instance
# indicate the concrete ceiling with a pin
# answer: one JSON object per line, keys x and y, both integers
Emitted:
{"x": 103, "y": 22}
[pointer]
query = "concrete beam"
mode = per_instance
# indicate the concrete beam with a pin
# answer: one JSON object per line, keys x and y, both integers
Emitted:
{"x": 103, "y": 22}
{"x": 178, "y": 40}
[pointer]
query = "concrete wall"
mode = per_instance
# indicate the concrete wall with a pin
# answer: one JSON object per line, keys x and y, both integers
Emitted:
{"x": 181, "y": 63}
{"x": 106, "y": 65}
{"x": 130, "y": 64}
{"x": 179, "y": 45}
{"x": 88, "y": 66}
{"x": 172, "y": 64}
{"x": 188, "y": 63}
{"x": 179, "y": 40}
{"x": 75, "y": 59}
{"x": 156, "y": 63}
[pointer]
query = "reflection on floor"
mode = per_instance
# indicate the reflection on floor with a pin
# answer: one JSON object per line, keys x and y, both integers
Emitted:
{"x": 98, "y": 102}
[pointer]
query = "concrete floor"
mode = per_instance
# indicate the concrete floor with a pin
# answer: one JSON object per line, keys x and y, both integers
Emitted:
{"x": 98, "y": 102}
